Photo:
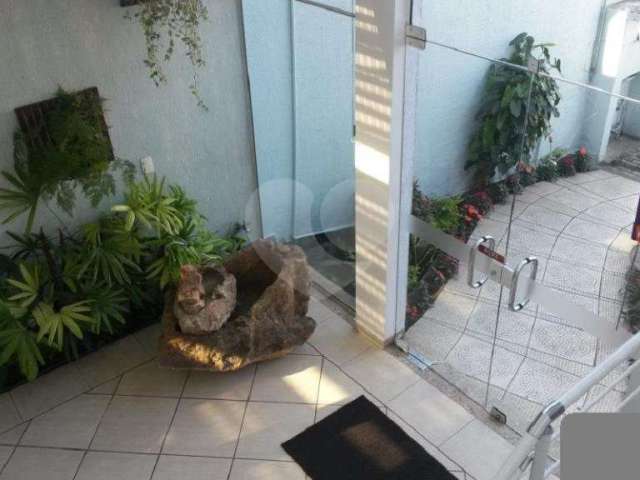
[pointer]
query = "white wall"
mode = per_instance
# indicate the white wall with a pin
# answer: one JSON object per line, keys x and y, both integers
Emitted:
{"x": 451, "y": 83}
{"x": 83, "y": 43}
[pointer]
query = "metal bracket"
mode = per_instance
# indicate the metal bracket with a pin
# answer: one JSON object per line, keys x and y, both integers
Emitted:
{"x": 416, "y": 37}
{"x": 472, "y": 261}
{"x": 514, "y": 282}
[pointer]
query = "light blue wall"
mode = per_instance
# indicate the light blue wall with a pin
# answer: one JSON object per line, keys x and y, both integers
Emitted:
{"x": 267, "y": 29}
{"x": 300, "y": 62}
{"x": 78, "y": 44}
{"x": 450, "y": 83}
{"x": 631, "y": 125}
{"x": 323, "y": 52}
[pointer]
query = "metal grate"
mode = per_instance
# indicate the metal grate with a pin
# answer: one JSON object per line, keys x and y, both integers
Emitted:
{"x": 32, "y": 120}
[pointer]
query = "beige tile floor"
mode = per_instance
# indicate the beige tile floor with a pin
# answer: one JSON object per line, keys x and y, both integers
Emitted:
{"x": 147, "y": 423}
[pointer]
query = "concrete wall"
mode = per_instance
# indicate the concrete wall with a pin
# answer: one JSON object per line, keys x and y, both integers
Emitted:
{"x": 82, "y": 43}
{"x": 300, "y": 62}
{"x": 631, "y": 119}
{"x": 451, "y": 83}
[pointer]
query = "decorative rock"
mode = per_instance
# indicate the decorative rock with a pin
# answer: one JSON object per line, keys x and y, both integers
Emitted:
{"x": 269, "y": 319}
{"x": 205, "y": 299}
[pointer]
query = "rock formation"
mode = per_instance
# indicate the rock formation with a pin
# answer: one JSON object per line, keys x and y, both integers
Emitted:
{"x": 269, "y": 319}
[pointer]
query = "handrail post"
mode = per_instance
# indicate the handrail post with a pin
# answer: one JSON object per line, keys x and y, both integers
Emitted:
{"x": 540, "y": 455}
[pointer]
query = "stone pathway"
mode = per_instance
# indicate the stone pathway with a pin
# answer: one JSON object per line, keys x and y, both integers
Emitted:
{"x": 116, "y": 415}
{"x": 580, "y": 228}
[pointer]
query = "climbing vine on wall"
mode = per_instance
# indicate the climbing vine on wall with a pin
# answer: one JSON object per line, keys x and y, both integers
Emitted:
{"x": 167, "y": 23}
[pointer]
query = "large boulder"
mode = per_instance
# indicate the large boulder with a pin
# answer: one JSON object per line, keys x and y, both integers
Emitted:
{"x": 269, "y": 319}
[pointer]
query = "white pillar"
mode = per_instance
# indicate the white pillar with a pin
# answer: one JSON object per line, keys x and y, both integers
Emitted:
{"x": 379, "y": 110}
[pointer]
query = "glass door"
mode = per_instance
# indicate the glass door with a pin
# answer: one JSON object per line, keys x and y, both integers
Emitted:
{"x": 524, "y": 198}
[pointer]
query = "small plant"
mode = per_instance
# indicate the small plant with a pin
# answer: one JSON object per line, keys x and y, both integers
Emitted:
{"x": 446, "y": 214}
{"x": 514, "y": 185}
{"x": 481, "y": 200}
{"x": 567, "y": 166}
{"x": 632, "y": 302}
{"x": 527, "y": 174}
{"x": 166, "y": 22}
{"x": 508, "y": 130}
{"x": 547, "y": 171}
{"x": 584, "y": 161}
{"x": 499, "y": 192}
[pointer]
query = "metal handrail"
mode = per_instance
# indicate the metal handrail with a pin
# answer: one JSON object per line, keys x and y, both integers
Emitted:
{"x": 534, "y": 445}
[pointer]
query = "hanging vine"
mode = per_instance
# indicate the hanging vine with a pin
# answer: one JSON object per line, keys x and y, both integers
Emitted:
{"x": 166, "y": 23}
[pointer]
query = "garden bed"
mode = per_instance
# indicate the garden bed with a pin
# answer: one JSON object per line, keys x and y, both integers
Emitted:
{"x": 429, "y": 268}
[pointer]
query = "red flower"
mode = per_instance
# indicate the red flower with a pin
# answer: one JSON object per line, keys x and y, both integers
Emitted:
{"x": 583, "y": 151}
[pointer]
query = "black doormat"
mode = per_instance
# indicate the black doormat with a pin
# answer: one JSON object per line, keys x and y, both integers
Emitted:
{"x": 360, "y": 442}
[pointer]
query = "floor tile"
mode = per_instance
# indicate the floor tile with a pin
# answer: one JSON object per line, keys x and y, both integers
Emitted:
{"x": 336, "y": 387}
{"x": 339, "y": 341}
{"x": 430, "y": 412}
{"x": 513, "y": 327}
{"x": 478, "y": 449}
{"x": 610, "y": 213}
{"x": 111, "y": 361}
{"x": 432, "y": 339}
{"x": 42, "y": 463}
{"x": 540, "y": 215}
{"x": 472, "y": 357}
{"x": 220, "y": 386}
{"x": 116, "y": 466}
{"x": 134, "y": 424}
{"x": 577, "y": 252}
{"x": 191, "y": 468}
{"x": 261, "y": 470}
{"x": 541, "y": 383}
{"x": 150, "y": 337}
{"x": 267, "y": 425}
{"x": 294, "y": 378}
{"x": 590, "y": 231}
{"x": 107, "y": 388}
{"x": 205, "y": 428}
{"x": 564, "y": 341}
{"x": 615, "y": 187}
{"x": 452, "y": 309}
{"x": 9, "y": 416}
{"x": 305, "y": 349}
{"x": 570, "y": 277}
{"x": 431, "y": 449}
{"x": 152, "y": 380}
{"x": 5, "y": 453}
{"x": 47, "y": 391}
{"x": 12, "y": 437}
{"x": 381, "y": 374}
{"x": 70, "y": 425}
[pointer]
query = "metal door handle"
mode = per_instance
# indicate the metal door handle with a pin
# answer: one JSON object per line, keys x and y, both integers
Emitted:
{"x": 516, "y": 307}
{"x": 472, "y": 261}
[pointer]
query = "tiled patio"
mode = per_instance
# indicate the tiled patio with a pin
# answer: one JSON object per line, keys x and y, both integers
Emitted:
{"x": 580, "y": 228}
{"x": 116, "y": 415}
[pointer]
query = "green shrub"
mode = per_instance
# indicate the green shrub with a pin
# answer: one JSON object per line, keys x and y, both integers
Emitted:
{"x": 60, "y": 294}
{"x": 567, "y": 166}
{"x": 445, "y": 213}
{"x": 584, "y": 161}
{"x": 501, "y": 140}
{"x": 499, "y": 192}
{"x": 632, "y": 302}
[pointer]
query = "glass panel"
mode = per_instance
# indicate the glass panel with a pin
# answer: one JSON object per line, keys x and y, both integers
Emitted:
{"x": 575, "y": 193}
{"x": 449, "y": 324}
{"x": 300, "y": 57}
{"x": 324, "y": 168}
